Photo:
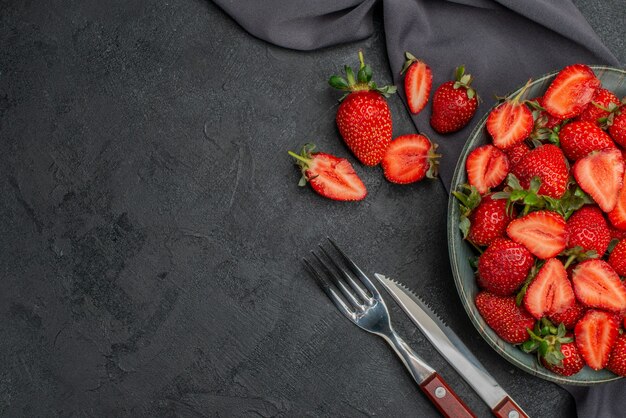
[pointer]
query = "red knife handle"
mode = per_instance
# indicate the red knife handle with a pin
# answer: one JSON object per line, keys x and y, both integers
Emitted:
{"x": 444, "y": 398}
{"x": 508, "y": 409}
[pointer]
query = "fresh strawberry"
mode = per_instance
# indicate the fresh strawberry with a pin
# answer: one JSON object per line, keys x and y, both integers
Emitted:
{"x": 418, "y": 80}
{"x": 503, "y": 267}
{"x": 618, "y": 215}
{"x": 517, "y": 152}
{"x": 543, "y": 233}
{"x": 616, "y": 233}
{"x": 503, "y": 315}
{"x": 330, "y": 176}
{"x": 410, "y": 158}
{"x": 617, "y": 258}
{"x": 600, "y": 174}
{"x": 544, "y": 119}
{"x": 596, "y": 334}
{"x": 548, "y": 163}
{"x": 550, "y": 292}
{"x": 363, "y": 117}
{"x": 486, "y": 167}
{"x": 571, "y": 363}
{"x": 579, "y": 138}
{"x": 454, "y": 104}
{"x": 572, "y": 89}
{"x": 617, "y": 360}
{"x": 489, "y": 221}
{"x": 617, "y": 129}
{"x": 597, "y": 285}
{"x": 596, "y": 109}
{"x": 569, "y": 316}
{"x": 511, "y": 122}
{"x": 588, "y": 229}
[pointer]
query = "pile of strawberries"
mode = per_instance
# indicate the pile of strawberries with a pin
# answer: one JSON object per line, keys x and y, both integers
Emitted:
{"x": 545, "y": 205}
{"x": 364, "y": 122}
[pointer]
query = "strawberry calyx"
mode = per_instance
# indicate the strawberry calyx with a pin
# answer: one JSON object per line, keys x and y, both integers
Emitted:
{"x": 303, "y": 161}
{"x": 469, "y": 199}
{"x": 578, "y": 254}
{"x": 613, "y": 109}
{"x": 546, "y": 341}
{"x": 410, "y": 60}
{"x": 361, "y": 82}
{"x": 463, "y": 80}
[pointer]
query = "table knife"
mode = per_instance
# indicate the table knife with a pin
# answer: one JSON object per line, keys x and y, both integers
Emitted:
{"x": 453, "y": 350}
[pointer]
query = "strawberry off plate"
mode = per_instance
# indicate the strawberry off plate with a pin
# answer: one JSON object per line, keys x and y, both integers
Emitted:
{"x": 460, "y": 250}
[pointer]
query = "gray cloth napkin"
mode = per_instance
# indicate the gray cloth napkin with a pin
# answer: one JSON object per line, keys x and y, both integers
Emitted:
{"x": 502, "y": 43}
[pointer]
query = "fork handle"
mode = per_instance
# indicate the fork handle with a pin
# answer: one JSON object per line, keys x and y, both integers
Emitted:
{"x": 444, "y": 398}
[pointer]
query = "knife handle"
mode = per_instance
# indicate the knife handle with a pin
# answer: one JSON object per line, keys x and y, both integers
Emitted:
{"x": 444, "y": 398}
{"x": 508, "y": 409}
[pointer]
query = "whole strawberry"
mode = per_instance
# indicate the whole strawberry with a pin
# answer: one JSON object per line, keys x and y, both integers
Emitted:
{"x": 617, "y": 362}
{"x": 570, "y": 364}
{"x": 598, "y": 108}
{"x": 617, "y": 259}
{"x": 503, "y": 267}
{"x": 617, "y": 128}
{"x": 570, "y": 316}
{"x": 548, "y": 163}
{"x": 363, "y": 117}
{"x": 579, "y": 138}
{"x": 503, "y": 315}
{"x": 587, "y": 228}
{"x": 454, "y": 103}
{"x": 489, "y": 221}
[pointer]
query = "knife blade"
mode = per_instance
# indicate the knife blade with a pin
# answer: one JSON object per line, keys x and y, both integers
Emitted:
{"x": 453, "y": 350}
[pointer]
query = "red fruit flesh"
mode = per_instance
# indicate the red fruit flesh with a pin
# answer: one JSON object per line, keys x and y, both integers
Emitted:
{"x": 334, "y": 178}
{"x": 548, "y": 163}
{"x": 489, "y": 221}
{"x": 408, "y": 159}
{"x": 597, "y": 285}
{"x": 592, "y": 112}
{"x": 618, "y": 129}
{"x": 417, "y": 84}
{"x": 596, "y": 334}
{"x": 570, "y": 316}
{"x": 503, "y": 315}
{"x": 617, "y": 259}
{"x": 600, "y": 174}
{"x": 571, "y": 364}
{"x": 364, "y": 122}
{"x": 580, "y": 138}
{"x": 617, "y": 360}
{"x": 486, "y": 167}
{"x": 503, "y": 267}
{"x": 543, "y": 233}
{"x": 509, "y": 124}
{"x": 550, "y": 292}
{"x": 588, "y": 229}
{"x": 572, "y": 89}
{"x": 618, "y": 215}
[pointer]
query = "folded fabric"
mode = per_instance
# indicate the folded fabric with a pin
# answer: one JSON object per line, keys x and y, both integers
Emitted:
{"x": 502, "y": 43}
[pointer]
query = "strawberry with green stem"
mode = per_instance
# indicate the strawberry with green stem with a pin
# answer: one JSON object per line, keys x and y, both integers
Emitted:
{"x": 555, "y": 348}
{"x": 454, "y": 103}
{"x": 418, "y": 80}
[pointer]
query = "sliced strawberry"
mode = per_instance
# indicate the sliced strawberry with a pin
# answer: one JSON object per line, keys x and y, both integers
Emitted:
{"x": 618, "y": 215}
{"x": 329, "y": 176}
{"x": 594, "y": 110}
{"x": 544, "y": 233}
{"x": 487, "y": 167}
{"x": 572, "y": 89}
{"x": 617, "y": 259}
{"x": 410, "y": 158}
{"x": 579, "y": 138}
{"x": 601, "y": 174}
{"x": 597, "y": 285}
{"x": 511, "y": 122}
{"x": 503, "y": 315}
{"x": 418, "y": 81}
{"x": 617, "y": 362}
{"x": 595, "y": 335}
{"x": 550, "y": 292}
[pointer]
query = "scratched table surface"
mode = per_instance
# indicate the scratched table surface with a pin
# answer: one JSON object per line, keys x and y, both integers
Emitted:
{"x": 151, "y": 226}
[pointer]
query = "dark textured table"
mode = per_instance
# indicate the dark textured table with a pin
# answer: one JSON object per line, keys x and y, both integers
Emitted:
{"x": 152, "y": 226}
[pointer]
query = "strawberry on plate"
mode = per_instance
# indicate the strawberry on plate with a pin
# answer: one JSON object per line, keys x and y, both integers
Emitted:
{"x": 363, "y": 117}
{"x": 454, "y": 103}
{"x": 596, "y": 334}
{"x": 617, "y": 360}
{"x": 587, "y": 228}
{"x": 510, "y": 122}
{"x": 329, "y": 176}
{"x": 600, "y": 174}
{"x": 543, "y": 233}
{"x": 579, "y": 138}
{"x": 503, "y": 315}
{"x": 548, "y": 163}
{"x": 487, "y": 167}
{"x": 598, "y": 108}
{"x": 617, "y": 259}
{"x": 517, "y": 152}
{"x": 617, "y": 216}
{"x": 570, "y": 316}
{"x": 418, "y": 80}
{"x": 617, "y": 128}
{"x": 410, "y": 158}
{"x": 571, "y": 363}
{"x": 571, "y": 90}
{"x": 489, "y": 220}
{"x": 550, "y": 292}
{"x": 503, "y": 267}
{"x": 597, "y": 285}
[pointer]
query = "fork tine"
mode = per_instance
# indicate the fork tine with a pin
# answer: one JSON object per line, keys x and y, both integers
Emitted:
{"x": 357, "y": 271}
{"x": 339, "y": 303}
{"x": 349, "y": 295}
{"x": 362, "y": 293}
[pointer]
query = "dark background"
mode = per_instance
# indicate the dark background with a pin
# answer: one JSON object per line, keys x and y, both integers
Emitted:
{"x": 151, "y": 224}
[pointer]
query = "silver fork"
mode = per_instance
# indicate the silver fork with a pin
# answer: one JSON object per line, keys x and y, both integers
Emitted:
{"x": 361, "y": 303}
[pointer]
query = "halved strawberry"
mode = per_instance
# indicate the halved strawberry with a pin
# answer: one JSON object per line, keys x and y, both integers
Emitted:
{"x": 579, "y": 138}
{"x": 595, "y": 334}
{"x": 410, "y": 158}
{"x": 487, "y": 167}
{"x": 597, "y": 285}
{"x": 617, "y": 259}
{"x": 544, "y": 233}
{"x": 572, "y": 89}
{"x": 549, "y": 164}
{"x": 594, "y": 110}
{"x": 601, "y": 174}
{"x": 330, "y": 176}
{"x": 503, "y": 315}
{"x": 418, "y": 81}
{"x": 511, "y": 122}
{"x": 617, "y": 361}
{"x": 550, "y": 292}
{"x": 618, "y": 215}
